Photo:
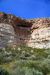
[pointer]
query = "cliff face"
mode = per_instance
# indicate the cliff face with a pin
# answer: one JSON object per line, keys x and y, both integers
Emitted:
{"x": 13, "y": 30}
{"x": 16, "y": 31}
{"x": 40, "y": 36}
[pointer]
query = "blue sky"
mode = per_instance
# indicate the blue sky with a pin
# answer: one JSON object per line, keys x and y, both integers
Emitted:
{"x": 26, "y": 8}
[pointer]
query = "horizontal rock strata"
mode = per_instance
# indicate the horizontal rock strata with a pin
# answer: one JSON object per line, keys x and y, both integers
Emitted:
{"x": 16, "y": 31}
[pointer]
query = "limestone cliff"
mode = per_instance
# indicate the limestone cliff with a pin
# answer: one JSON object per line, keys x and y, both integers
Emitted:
{"x": 13, "y": 30}
{"x": 16, "y": 31}
{"x": 40, "y": 36}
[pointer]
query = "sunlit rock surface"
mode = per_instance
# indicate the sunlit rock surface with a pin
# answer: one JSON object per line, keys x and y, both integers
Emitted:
{"x": 17, "y": 31}
{"x": 40, "y": 36}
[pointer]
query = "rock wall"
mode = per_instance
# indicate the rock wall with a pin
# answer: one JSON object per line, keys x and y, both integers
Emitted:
{"x": 7, "y": 35}
{"x": 13, "y": 30}
{"x": 40, "y": 36}
{"x": 16, "y": 31}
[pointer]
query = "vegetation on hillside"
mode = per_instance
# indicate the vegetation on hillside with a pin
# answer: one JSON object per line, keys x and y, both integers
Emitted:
{"x": 24, "y": 60}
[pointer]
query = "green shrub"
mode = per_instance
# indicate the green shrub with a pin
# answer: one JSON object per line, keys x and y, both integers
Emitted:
{"x": 25, "y": 61}
{"x": 3, "y": 72}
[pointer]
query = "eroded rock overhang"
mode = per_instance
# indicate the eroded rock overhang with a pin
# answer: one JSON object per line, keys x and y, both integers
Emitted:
{"x": 13, "y": 30}
{"x": 17, "y": 31}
